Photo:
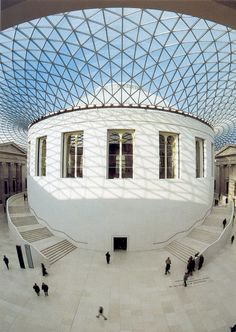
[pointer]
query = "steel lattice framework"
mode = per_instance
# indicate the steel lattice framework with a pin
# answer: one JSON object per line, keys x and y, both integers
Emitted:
{"x": 151, "y": 57}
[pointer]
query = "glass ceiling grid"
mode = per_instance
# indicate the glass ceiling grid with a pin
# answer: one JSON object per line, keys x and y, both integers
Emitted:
{"x": 121, "y": 55}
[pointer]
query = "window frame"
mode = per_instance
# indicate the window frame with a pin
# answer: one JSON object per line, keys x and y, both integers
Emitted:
{"x": 199, "y": 158}
{"x": 64, "y": 172}
{"x": 122, "y": 155}
{"x": 175, "y": 160}
{"x": 40, "y": 170}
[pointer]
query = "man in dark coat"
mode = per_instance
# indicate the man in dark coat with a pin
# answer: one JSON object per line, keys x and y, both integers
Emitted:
{"x": 201, "y": 260}
{"x": 100, "y": 313}
{"x": 185, "y": 279}
{"x": 45, "y": 289}
{"x": 36, "y": 289}
{"x": 44, "y": 271}
{"x": 108, "y": 256}
{"x": 6, "y": 261}
{"x": 191, "y": 265}
{"x": 224, "y": 223}
{"x": 168, "y": 263}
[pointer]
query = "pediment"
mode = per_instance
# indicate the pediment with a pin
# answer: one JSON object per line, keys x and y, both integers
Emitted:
{"x": 227, "y": 152}
{"x": 11, "y": 148}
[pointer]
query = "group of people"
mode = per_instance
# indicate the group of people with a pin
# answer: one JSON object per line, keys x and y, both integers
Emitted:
{"x": 44, "y": 286}
{"x": 35, "y": 287}
{"x": 191, "y": 266}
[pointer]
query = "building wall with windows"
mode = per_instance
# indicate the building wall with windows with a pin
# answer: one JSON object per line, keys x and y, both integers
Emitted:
{"x": 118, "y": 172}
{"x": 225, "y": 172}
{"x": 12, "y": 171}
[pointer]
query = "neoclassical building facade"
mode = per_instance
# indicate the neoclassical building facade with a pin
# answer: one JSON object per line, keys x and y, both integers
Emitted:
{"x": 12, "y": 171}
{"x": 225, "y": 172}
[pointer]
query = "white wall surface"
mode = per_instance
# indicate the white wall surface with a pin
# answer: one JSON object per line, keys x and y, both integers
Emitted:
{"x": 146, "y": 209}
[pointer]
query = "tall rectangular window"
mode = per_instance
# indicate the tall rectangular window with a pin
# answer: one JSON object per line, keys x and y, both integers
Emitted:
{"x": 41, "y": 156}
{"x": 168, "y": 155}
{"x": 120, "y": 149}
{"x": 199, "y": 150}
{"x": 73, "y": 155}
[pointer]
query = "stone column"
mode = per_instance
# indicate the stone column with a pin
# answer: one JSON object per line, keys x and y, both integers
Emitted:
{"x": 10, "y": 178}
{"x": 20, "y": 179}
{"x": 17, "y": 178}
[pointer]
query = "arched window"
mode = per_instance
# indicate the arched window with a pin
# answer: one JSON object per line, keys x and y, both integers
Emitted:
{"x": 120, "y": 159}
{"x": 73, "y": 155}
{"x": 168, "y": 156}
{"x": 41, "y": 162}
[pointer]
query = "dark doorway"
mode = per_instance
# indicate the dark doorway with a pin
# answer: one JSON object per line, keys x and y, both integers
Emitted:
{"x": 20, "y": 257}
{"x": 120, "y": 243}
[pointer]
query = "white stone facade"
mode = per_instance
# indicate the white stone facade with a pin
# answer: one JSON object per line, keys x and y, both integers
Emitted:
{"x": 145, "y": 209}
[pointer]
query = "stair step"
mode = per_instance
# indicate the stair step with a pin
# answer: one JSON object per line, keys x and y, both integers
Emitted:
{"x": 55, "y": 246}
{"x": 176, "y": 255}
{"x": 184, "y": 257}
{"x": 180, "y": 250}
{"x": 36, "y": 234}
{"x": 203, "y": 235}
{"x": 58, "y": 250}
{"x": 62, "y": 254}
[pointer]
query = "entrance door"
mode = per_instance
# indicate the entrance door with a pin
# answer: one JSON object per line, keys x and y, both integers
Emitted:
{"x": 120, "y": 243}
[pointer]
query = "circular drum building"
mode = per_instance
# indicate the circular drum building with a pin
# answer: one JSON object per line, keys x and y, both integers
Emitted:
{"x": 121, "y": 176}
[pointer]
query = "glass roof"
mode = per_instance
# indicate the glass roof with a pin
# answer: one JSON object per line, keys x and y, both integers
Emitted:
{"x": 118, "y": 55}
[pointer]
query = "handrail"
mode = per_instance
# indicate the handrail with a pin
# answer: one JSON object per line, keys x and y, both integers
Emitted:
{"x": 186, "y": 230}
{"x": 54, "y": 229}
{"x": 12, "y": 225}
{"x": 222, "y": 239}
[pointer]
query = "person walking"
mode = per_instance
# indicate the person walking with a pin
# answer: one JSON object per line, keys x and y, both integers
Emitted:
{"x": 36, "y": 289}
{"x": 168, "y": 263}
{"x": 6, "y": 261}
{"x": 201, "y": 261}
{"x": 45, "y": 289}
{"x": 185, "y": 279}
{"x": 108, "y": 256}
{"x": 190, "y": 265}
{"x": 232, "y": 239}
{"x": 44, "y": 270}
{"x": 100, "y": 313}
{"x": 224, "y": 223}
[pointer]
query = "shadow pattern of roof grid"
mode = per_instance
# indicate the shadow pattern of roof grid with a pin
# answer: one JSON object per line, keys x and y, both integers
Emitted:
{"x": 151, "y": 57}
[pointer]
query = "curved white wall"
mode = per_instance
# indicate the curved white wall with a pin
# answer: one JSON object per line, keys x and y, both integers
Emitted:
{"x": 145, "y": 209}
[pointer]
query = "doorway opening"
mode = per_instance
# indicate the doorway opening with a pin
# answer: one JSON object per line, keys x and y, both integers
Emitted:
{"x": 120, "y": 243}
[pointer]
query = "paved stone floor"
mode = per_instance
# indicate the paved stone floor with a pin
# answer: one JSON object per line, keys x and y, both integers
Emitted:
{"x": 135, "y": 293}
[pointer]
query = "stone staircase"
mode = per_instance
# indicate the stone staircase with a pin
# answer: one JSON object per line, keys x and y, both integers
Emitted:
{"x": 58, "y": 250}
{"x": 36, "y": 234}
{"x": 180, "y": 250}
{"x": 200, "y": 237}
{"x": 28, "y": 227}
